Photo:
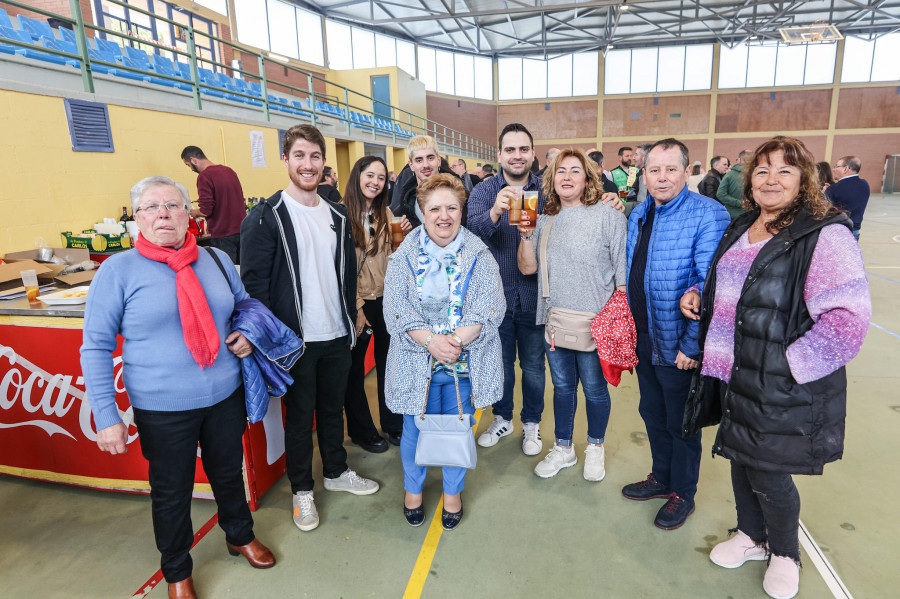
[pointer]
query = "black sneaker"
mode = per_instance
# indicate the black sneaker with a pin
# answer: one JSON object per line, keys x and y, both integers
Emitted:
{"x": 674, "y": 513}
{"x": 645, "y": 489}
{"x": 374, "y": 445}
{"x": 394, "y": 438}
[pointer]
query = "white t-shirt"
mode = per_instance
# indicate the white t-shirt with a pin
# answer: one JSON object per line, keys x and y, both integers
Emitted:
{"x": 323, "y": 317}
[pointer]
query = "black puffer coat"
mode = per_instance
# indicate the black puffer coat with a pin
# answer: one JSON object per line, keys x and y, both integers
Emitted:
{"x": 767, "y": 420}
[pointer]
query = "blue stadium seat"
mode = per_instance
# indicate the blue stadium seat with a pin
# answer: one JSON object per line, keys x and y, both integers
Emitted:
{"x": 25, "y": 37}
{"x": 138, "y": 59}
{"x": 164, "y": 66}
{"x": 302, "y": 107}
{"x": 37, "y": 29}
{"x": 67, "y": 35}
{"x": 11, "y": 34}
{"x": 255, "y": 89}
{"x": 4, "y": 19}
{"x": 208, "y": 78}
{"x": 109, "y": 48}
{"x": 62, "y": 46}
{"x": 185, "y": 70}
{"x": 104, "y": 53}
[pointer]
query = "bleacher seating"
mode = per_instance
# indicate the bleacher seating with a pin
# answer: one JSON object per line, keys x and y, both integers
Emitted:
{"x": 147, "y": 65}
{"x": 37, "y": 29}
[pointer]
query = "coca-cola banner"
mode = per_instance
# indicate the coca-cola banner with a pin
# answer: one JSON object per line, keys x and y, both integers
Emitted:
{"x": 47, "y": 428}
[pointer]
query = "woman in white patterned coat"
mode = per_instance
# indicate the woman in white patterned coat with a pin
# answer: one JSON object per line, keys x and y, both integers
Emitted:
{"x": 443, "y": 303}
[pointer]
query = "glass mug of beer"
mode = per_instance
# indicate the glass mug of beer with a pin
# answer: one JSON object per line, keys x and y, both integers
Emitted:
{"x": 515, "y": 205}
{"x": 397, "y": 233}
{"x": 529, "y": 210}
{"x": 29, "y": 280}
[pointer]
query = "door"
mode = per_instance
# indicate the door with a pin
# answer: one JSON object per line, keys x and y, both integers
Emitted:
{"x": 381, "y": 92}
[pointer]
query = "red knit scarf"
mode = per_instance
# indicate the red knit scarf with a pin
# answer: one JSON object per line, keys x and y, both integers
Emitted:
{"x": 200, "y": 333}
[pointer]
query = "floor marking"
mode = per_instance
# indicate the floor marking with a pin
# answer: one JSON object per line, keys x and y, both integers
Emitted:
{"x": 881, "y": 328}
{"x": 419, "y": 575}
{"x": 875, "y": 274}
{"x": 158, "y": 577}
{"x": 826, "y": 571}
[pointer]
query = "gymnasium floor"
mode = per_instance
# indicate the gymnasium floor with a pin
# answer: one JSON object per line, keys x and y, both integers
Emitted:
{"x": 521, "y": 536}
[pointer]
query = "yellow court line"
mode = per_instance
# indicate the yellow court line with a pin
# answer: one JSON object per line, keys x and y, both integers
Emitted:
{"x": 419, "y": 575}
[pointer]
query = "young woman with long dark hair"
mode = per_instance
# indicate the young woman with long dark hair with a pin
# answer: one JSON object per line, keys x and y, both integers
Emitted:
{"x": 367, "y": 200}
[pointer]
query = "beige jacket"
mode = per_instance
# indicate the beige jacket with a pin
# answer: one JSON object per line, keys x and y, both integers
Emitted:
{"x": 370, "y": 281}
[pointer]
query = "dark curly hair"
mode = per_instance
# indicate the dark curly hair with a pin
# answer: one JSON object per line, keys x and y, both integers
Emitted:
{"x": 593, "y": 187}
{"x": 810, "y": 195}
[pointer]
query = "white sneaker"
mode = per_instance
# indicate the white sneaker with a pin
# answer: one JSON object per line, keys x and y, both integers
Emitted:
{"x": 557, "y": 459}
{"x": 594, "y": 463}
{"x": 305, "y": 515}
{"x": 531, "y": 440}
{"x": 498, "y": 428}
{"x": 351, "y": 482}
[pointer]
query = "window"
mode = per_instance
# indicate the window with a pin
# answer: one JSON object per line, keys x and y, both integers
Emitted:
{"x": 562, "y": 76}
{"x": 220, "y": 6}
{"x": 767, "y": 65}
{"x": 509, "y": 84}
{"x": 444, "y": 70}
{"x": 874, "y": 60}
{"x": 282, "y": 29}
{"x": 427, "y": 73}
{"x": 406, "y": 56}
{"x": 309, "y": 27}
{"x": 339, "y": 41}
{"x": 363, "y": 48}
{"x": 664, "y": 69}
{"x": 385, "y": 51}
{"x": 253, "y": 26}
{"x": 484, "y": 78}
{"x": 464, "y": 75}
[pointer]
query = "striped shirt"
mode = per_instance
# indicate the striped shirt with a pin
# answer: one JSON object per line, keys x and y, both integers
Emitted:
{"x": 503, "y": 240}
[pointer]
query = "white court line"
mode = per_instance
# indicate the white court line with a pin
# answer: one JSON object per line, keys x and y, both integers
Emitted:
{"x": 826, "y": 571}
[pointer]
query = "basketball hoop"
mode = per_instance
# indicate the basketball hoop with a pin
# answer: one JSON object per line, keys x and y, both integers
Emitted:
{"x": 817, "y": 29}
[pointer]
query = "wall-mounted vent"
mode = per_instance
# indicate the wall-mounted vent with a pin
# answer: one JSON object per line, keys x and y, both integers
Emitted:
{"x": 89, "y": 126}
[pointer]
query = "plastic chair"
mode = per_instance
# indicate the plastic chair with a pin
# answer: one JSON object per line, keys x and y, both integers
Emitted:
{"x": 37, "y": 29}
{"x": 164, "y": 66}
{"x": 4, "y": 19}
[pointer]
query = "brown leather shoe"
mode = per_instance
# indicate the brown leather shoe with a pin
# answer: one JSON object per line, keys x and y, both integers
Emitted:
{"x": 183, "y": 589}
{"x": 256, "y": 553}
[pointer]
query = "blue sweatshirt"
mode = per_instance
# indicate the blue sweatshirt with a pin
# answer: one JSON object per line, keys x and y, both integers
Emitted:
{"x": 135, "y": 297}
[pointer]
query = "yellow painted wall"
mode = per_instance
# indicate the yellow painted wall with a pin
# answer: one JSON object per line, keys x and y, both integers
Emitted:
{"x": 48, "y": 188}
{"x": 406, "y": 91}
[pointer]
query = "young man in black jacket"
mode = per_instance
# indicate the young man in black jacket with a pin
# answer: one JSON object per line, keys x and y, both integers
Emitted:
{"x": 298, "y": 258}
{"x": 709, "y": 185}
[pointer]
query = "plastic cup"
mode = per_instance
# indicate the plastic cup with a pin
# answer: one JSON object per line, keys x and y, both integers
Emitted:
{"x": 623, "y": 192}
{"x": 397, "y": 233}
{"x": 29, "y": 280}
{"x": 515, "y": 205}
{"x": 529, "y": 212}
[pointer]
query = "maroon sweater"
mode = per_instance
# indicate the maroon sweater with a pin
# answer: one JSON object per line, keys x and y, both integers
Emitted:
{"x": 221, "y": 199}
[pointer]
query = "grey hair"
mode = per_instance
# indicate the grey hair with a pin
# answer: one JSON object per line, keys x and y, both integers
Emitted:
{"x": 669, "y": 143}
{"x": 155, "y": 181}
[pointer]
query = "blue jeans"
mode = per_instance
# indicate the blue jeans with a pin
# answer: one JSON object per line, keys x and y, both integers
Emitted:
{"x": 441, "y": 400}
{"x": 664, "y": 391}
{"x": 518, "y": 329}
{"x": 567, "y": 367}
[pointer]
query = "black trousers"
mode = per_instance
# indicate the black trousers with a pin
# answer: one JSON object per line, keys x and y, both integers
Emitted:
{"x": 231, "y": 245}
{"x": 768, "y": 509}
{"x": 320, "y": 382}
{"x": 360, "y": 426}
{"x": 169, "y": 442}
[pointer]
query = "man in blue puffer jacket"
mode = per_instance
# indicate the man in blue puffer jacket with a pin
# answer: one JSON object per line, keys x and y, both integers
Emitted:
{"x": 671, "y": 241}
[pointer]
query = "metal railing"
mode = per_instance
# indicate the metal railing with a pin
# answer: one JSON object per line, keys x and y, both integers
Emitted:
{"x": 363, "y": 105}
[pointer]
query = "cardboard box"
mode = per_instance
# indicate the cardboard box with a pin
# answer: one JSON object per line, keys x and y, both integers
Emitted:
{"x": 98, "y": 242}
{"x": 11, "y": 274}
{"x": 51, "y": 271}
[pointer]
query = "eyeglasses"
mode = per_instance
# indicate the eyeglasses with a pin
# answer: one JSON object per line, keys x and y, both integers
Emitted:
{"x": 371, "y": 220}
{"x": 171, "y": 208}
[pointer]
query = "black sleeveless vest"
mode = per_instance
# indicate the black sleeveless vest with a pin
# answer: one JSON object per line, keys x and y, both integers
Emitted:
{"x": 767, "y": 420}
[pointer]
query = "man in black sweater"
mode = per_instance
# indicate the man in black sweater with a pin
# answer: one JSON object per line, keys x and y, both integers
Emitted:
{"x": 850, "y": 193}
{"x": 709, "y": 185}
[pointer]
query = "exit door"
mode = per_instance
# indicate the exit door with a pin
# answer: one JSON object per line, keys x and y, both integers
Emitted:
{"x": 381, "y": 92}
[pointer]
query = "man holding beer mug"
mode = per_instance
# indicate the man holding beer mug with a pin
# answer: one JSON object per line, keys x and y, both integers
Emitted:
{"x": 495, "y": 208}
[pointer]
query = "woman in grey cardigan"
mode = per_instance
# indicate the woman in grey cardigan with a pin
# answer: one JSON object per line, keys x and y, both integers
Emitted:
{"x": 443, "y": 303}
{"x": 586, "y": 264}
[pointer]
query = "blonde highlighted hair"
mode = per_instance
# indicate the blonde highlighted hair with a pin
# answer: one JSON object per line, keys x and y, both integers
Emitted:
{"x": 593, "y": 188}
{"x": 420, "y": 142}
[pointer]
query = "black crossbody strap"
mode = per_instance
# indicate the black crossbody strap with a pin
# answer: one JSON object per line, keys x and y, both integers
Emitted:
{"x": 218, "y": 263}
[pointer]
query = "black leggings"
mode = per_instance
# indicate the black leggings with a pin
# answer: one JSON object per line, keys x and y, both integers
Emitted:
{"x": 768, "y": 509}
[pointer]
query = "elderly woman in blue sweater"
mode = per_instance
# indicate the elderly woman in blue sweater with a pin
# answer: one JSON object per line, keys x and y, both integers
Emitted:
{"x": 173, "y": 304}
{"x": 443, "y": 303}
